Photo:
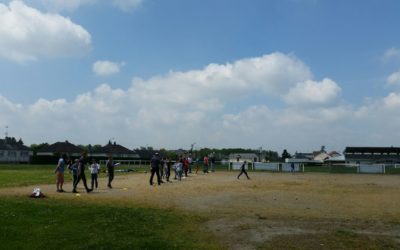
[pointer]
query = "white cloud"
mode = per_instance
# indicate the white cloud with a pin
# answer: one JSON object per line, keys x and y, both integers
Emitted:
{"x": 313, "y": 93}
{"x": 181, "y": 107}
{"x": 394, "y": 79}
{"x": 392, "y": 101}
{"x": 106, "y": 68}
{"x": 127, "y": 5}
{"x": 27, "y": 34}
{"x": 391, "y": 54}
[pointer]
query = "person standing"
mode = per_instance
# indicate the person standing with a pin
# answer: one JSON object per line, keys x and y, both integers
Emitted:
{"x": 185, "y": 163}
{"x": 205, "y": 161}
{"x": 155, "y": 168}
{"x": 74, "y": 170}
{"x": 81, "y": 173}
{"x": 212, "y": 163}
{"x": 167, "y": 169}
{"x": 162, "y": 162}
{"x": 94, "y": 170}
{"x": 110, "y": 170}
{"x": 178, "y": 169}
{"x": 243, "y": 170}
{"x": 59, "y": 171}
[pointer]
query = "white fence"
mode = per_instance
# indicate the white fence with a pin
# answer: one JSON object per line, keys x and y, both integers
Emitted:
{"x": 371, "y": 169}
{"x": 287, "y": 167}
{"x": 271, "y": 166}
{"x": 268, "y": 166}
{"x": 237, "y": 165}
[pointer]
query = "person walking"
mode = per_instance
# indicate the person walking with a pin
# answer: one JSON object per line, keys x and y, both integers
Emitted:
{"x": 81, "y": 173}
{"x": 243, "y": 170}
{"x": 155, "y": 168}
{"x": 94, "y": 170}
{"x": 110, "y": 170}
{"x": 59, "y": 171}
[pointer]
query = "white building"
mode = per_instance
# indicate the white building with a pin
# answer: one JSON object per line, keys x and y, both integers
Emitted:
{"x": 12, "y": 151}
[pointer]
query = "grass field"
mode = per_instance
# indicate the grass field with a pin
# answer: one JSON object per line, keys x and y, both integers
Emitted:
{"x": 312, "y": 210}
{"x": 50, "y": 224}
{"x": 17, "y": 175}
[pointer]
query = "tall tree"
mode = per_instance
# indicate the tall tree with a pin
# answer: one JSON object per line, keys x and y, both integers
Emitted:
{"x": 285, "y": 155}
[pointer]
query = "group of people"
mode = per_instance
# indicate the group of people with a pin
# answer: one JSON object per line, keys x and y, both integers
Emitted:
{"x": 161, "y": 167}
{"x": 77, "y": 169}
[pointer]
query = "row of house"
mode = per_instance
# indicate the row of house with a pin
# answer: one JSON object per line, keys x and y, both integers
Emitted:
{"x": 351, "y": 155}
{"x": 74, "y": 151}
{"x": 13, "y": 151}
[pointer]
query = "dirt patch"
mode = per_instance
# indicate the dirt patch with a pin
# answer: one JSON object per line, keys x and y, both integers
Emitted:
{"x": 246, "y": 213}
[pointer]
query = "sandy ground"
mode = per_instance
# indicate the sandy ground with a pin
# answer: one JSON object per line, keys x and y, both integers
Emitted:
{"x": 269, "y": 204}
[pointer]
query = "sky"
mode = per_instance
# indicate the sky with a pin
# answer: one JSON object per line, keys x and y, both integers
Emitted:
{"x": 276, "y": 74}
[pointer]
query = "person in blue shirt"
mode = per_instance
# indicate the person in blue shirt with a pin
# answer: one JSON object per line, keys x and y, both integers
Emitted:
{"x": 74, "y": 170}
{"x": 59, "y": 171}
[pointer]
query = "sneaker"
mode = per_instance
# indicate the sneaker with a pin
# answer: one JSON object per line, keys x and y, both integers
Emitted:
{"x": 89, "y": 190}
{"x": 74, "y": 191}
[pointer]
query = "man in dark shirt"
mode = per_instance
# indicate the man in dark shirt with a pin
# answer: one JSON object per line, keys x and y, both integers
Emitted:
{"x": 81, "y": 173}
{"x": 110, "y": 170}
{"x": 243, "y": 170}
{"x": 155, "y": 168}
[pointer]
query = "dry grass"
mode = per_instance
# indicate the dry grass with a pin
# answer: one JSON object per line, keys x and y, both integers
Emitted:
{"x": 271, "y": 207}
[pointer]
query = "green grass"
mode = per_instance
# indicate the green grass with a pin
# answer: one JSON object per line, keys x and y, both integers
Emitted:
{"x": 392, "y": 170}
{"x": 28, "y": 175}
{"x": 28, "y": 223}
{"x": 340, "y": 239}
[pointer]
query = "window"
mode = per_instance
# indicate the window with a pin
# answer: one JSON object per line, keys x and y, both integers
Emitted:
{"x": 12, "y": 154}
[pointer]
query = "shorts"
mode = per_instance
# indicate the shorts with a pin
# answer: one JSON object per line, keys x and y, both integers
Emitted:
{"x": 60, "y": 177}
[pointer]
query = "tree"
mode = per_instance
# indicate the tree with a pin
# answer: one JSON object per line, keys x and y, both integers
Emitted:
{"x": 285, "y": 155}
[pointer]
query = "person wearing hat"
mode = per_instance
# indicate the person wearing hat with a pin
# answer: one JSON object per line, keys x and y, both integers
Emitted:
{"x": 155, "y": 168}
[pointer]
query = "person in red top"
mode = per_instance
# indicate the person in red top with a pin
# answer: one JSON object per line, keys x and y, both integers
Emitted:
{"x": 205, "y": 161}
{"x": 186, "y": 165}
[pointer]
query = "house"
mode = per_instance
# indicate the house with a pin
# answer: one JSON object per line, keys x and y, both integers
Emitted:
{"x": 116, "y": 150}
{"x": 12, "y": 151}
{"x": 59, "y": 148}
{"x": 372, "y": 155}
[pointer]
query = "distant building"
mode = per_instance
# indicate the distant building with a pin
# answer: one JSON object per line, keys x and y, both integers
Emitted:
{"x": 12, "y": 151}
{"x": 116, "y": 150}
{"x": 249, "y": 157}
{"x": 371, "y": 155}
{"x": 60, "y": 148}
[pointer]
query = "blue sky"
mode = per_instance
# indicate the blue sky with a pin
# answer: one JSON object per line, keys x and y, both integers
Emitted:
{"x": 293, "y": 74}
